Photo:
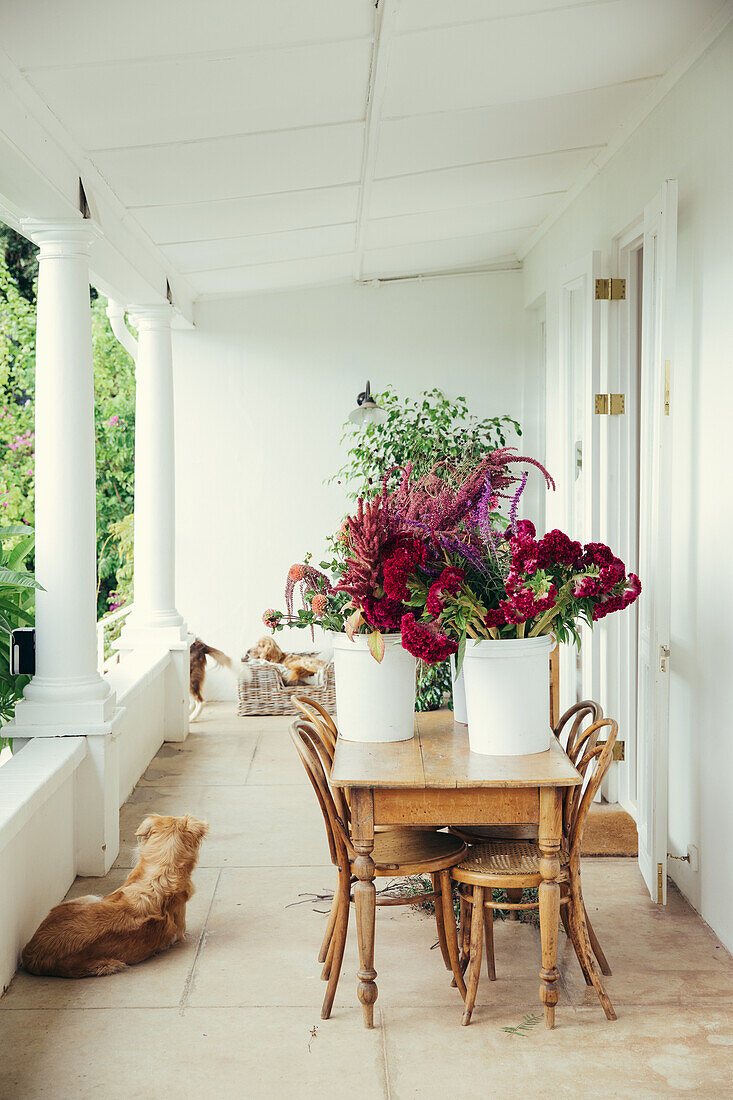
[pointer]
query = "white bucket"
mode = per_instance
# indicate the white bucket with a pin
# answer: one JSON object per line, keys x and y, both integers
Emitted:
{"x": 375, "y": 700}
{"x": 508, "y": 695}
{"x": 459, "y": 695}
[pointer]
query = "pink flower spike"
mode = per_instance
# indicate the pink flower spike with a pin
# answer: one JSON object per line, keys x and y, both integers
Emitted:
{"x": 114, "y": 421}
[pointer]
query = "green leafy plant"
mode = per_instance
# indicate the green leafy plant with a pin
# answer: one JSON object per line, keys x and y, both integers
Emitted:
{"x": 17, "y": 587}
{"x": 434, "y": 686}
{"x": 421, "y": 431}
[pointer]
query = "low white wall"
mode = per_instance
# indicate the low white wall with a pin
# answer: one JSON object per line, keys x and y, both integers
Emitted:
{"x": 139, "y": 684}
{"x": 262, "y": 388}
{"x": 37, "y": 841}
{"x": 687, "y": 137}
{"x": 42, "y": 803}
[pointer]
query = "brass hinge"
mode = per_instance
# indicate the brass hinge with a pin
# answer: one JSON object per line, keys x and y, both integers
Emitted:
{"x": 663, "y": 657}
{"x": 613, "y": 403}
{"x": 610, "y": 290}
{"x": 660, "y": 884}
{"x": 619, "y": 748}
{"x": 667, "y": 368}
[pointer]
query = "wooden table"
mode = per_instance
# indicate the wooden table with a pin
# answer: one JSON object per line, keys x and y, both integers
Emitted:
{"x": 434, "y": 779}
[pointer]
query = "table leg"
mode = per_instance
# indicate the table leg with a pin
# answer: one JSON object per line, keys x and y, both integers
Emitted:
{"x": 365, "y": 897}
{"x": 550, "y": 838}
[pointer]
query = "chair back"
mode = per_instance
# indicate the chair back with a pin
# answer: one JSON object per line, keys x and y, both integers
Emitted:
{"x": 320, "y": 718}
{"x": 317, "y": 763}
{"x": 593, "y": 760}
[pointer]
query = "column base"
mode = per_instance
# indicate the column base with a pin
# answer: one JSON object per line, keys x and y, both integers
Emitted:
{"x": 58, "y": 708}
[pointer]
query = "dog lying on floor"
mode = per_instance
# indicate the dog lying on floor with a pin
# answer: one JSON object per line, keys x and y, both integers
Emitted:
{"x": 91, "y": 936}
{"x": 199, "y": 652}
{"x": 295, "y": 668}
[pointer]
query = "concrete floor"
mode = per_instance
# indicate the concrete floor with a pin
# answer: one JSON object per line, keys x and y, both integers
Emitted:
{"x": 235, "y": 1010}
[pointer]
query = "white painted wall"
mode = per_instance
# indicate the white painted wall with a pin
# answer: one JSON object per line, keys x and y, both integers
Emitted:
{"x": 688, "y": 137}
{"x": 262, "y": 388}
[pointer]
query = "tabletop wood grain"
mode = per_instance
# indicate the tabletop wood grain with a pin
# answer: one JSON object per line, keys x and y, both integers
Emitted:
{"x": 438, "y": 757}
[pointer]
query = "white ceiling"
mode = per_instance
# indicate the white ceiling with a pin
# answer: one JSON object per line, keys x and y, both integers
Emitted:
{"x": 275, "y": 143}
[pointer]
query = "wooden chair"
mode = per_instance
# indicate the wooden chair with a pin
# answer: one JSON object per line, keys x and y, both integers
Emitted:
{"x": 397, "y": 853}
{"x": 514, "y": 864}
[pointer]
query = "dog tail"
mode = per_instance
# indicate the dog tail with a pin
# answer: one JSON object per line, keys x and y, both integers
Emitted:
{"x": 220, "y": 659}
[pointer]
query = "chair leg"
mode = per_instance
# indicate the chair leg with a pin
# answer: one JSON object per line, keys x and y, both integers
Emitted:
{"x": 326, "y": 942}
{"x": 338, "y": 942}
{"x": 451, "y": 935}
{"x": 597, "y": 949}
{"x": 576, "y": 917}
{"x": 465, "y": 932}
{"x": 474, "y": 966}
{"x": 570, "y": 932}
{"x": 489, "y": 934}
{"x": 514, "y": 895}
{"x": 440, "y": 920}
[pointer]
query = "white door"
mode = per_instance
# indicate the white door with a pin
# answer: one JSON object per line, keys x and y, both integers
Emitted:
{"x": 660, "y": 245}
{"x": 573, "y": 448}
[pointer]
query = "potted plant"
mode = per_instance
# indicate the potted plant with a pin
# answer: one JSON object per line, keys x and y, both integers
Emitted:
{"x": 504, "y": 597}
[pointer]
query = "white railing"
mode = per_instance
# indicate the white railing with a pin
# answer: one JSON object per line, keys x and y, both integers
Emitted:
{"x": 103, "y": 626}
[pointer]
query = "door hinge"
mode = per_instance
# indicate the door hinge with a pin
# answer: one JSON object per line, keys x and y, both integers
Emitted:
{"x": 663, "y": 658}
{"x": 667, "y": 370}
{"x": 613, "y": 403}
{"x": 610, "y": 290}
{"x": 619, "y": 750}
{"x": 660, "y": 884}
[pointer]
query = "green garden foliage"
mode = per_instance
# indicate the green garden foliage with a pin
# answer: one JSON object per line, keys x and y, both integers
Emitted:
{"x": 114, "y": 385}
{"x": 17, "y": 593}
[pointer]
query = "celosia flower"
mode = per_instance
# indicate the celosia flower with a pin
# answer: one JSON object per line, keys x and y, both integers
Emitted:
{"x": 385, "y": 615}
{"x": 426, "y": 641}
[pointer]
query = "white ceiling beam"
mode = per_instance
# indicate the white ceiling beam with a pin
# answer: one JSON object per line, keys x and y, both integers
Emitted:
{"x": 385, "y": 18}
{"x": 40, "y": 169}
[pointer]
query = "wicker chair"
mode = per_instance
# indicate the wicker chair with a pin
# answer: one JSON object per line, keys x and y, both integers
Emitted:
{"x": 501, "y": 864}
{"x": 267, "y": 694}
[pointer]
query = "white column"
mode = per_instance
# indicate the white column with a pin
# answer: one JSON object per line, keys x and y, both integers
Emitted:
{"x": 67, "y": 694}
{"x": 154, "y": 617}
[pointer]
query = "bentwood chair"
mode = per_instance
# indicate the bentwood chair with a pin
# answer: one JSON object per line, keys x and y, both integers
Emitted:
{"x": 397, "y": 853}
{"x": 327, "y": 730}
{"x": 570, "y": 737}
{"x": 501, "y": 864}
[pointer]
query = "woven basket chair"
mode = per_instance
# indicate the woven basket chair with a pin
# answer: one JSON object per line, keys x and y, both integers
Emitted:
{"x": 267, "y": 694}
{"x": 397, "y": 853}
{"x": 514, "y": 864}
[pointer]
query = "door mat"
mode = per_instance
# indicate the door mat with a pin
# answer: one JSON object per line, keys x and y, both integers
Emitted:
{"x": 610, "y": 833}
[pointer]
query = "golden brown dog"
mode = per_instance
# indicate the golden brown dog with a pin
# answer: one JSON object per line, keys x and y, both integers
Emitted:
{"x": 92, "y": 936}
{"x": 296, "y": 668}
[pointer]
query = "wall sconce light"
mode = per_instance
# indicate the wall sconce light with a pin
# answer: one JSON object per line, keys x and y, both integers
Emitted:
{"x": 367, "y": 410}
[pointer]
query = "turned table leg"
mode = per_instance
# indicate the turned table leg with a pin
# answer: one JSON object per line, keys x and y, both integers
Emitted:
{"x": 365, "y": 897}
{"x": 550, "y": 838}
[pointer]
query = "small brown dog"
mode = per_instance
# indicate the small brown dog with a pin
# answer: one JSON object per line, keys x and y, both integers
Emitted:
{"x": 91, "y": 936}
{"x": 197, "y": 673}
{"x": 296, "y": 668}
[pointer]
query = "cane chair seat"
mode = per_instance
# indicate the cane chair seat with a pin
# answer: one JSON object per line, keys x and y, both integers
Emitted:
{"x": 500, "y": 859}
{"x": 414, "y": 851}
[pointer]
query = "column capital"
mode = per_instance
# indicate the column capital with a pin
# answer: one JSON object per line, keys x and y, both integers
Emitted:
{"x": 151, "y": 316}
{"x": 61, "y": 236}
